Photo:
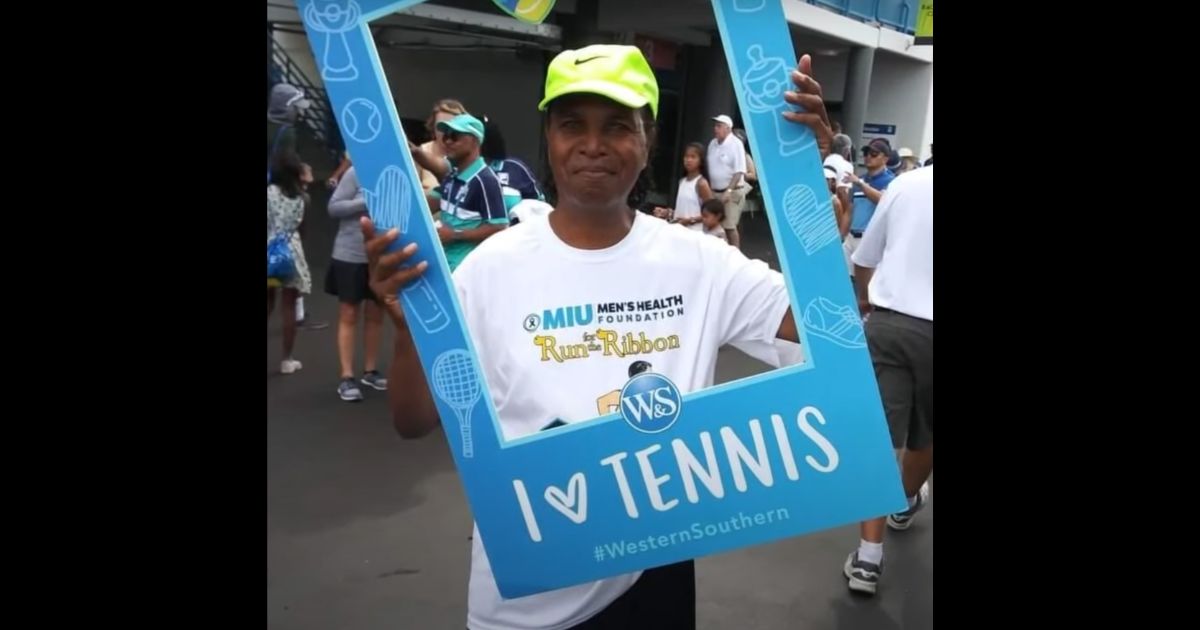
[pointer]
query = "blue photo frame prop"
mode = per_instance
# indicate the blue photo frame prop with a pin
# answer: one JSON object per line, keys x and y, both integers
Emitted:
{"x": 672, "y": 477}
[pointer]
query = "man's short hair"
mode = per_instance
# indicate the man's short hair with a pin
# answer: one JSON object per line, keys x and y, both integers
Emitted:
{"x": 842, "y": 145}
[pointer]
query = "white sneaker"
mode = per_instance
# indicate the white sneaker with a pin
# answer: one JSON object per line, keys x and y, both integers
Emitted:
{"x": 290, "y": 366}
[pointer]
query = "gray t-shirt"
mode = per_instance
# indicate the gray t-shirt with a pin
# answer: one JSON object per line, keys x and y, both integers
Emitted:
{"x": 348, "y": 206}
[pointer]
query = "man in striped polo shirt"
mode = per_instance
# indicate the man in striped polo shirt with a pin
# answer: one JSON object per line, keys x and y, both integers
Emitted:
{"x": 470, "y": 198}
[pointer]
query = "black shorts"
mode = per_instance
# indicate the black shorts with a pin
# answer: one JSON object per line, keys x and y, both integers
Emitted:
{"x": 347, "y": 282}
{"x": 902, "y": 352}
{"x": 663, "y": 598}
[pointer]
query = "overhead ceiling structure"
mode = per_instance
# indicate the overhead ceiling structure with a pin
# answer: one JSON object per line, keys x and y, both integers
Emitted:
{"x": 442, "y": 27}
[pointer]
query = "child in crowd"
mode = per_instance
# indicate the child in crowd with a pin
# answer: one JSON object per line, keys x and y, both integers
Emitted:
{"x": 711, "y": 215}
{"x": 693, "y": 190}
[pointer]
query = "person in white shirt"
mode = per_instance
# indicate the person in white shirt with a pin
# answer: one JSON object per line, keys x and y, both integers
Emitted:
{"x": 693, "y": 190}
{"x": 601, "y": 103}
{"x": 726, "y": 160}
{"x": 894, "y": 267}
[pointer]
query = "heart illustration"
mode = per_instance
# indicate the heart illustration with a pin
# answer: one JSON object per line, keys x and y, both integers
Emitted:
{"x": 572, "y": 503}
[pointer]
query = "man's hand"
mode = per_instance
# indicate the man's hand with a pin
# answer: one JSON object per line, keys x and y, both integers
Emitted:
{"x": 809, "y": 98}
{"x": 446, "y": 234}
{"x": 386, "y": 277}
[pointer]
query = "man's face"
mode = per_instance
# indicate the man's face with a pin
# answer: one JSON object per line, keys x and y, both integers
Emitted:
{"x": 457, "y": 145}
{"x": 597, "y": 149}
{"x": 875, "y": 158}
{"x": 721, "y": 131}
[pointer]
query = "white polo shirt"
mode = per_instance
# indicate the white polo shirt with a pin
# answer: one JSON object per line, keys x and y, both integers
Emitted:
{"x": 725, "y": 159}
{"x": 898, "y": 244}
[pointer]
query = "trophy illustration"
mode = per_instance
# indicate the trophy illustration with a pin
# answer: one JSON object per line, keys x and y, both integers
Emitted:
{"x": 764, "y": 84}
{"x": 337, "y": 62}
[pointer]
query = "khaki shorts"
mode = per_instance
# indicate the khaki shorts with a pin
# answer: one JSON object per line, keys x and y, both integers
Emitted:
{"x": 733, "y": 209}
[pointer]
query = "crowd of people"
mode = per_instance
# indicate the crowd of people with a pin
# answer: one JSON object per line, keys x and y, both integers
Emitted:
{"x": 504, "y": 234}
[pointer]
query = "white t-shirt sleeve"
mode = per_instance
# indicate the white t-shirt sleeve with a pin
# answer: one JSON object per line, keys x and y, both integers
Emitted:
{"x": 874, "y": 238}
{"x": 750, "y": 297}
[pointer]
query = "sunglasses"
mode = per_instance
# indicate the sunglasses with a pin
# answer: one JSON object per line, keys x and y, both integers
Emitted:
{"x": 451, "y": 136}
{"x": 871, "y": 153}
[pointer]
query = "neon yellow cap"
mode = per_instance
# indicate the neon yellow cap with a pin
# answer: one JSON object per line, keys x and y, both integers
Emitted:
{"x": 620, "y": 73}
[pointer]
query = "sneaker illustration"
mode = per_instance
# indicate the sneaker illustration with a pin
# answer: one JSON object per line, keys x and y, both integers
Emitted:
{"x": 841, "y": 325}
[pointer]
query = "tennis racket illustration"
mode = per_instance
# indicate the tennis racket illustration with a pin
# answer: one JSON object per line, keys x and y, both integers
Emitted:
{"x": 811, "y": 221}
{"x": 455, "y": 382}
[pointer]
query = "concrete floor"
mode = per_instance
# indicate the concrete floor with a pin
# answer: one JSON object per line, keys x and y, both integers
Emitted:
{"x": 366, "y": 531}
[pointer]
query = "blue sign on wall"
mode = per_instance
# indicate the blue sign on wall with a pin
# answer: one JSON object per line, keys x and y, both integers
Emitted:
{"x": 669, "y": 475}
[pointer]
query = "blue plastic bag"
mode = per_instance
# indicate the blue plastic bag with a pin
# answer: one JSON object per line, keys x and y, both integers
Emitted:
{"x": 280, "y": 263}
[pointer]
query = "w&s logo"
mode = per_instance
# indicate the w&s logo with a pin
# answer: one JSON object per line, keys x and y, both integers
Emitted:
{"x": 650, "y": 403}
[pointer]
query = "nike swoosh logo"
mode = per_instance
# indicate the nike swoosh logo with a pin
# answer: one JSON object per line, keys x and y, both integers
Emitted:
{"x": 583, "y": 61}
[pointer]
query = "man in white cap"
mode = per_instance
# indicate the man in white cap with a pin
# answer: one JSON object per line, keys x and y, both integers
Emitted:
{"x": 726, "y": 161}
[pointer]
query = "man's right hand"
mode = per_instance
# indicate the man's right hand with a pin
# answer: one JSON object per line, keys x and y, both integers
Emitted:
{"x": 386, "y": 277}
{"x": 808, "y": 95}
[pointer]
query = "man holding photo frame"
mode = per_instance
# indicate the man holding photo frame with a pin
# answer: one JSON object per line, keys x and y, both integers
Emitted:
{"x": 601, "y": 104}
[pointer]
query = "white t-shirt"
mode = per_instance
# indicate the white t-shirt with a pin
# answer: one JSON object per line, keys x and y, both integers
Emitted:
{"x": 693, "y": 291}
{"x": 724, "y": 159}
{"x": 898, "y": 244}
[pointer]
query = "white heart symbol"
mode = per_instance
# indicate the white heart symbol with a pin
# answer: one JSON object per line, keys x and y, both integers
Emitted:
{"x": 565, "y": 502}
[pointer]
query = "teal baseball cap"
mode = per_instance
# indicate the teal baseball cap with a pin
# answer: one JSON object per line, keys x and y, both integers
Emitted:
{"x": 463, "y": 123}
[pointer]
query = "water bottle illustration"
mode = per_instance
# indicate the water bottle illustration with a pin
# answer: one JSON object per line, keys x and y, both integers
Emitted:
{"x": 764, "y": 84}
{"x": 425, "y": 307}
